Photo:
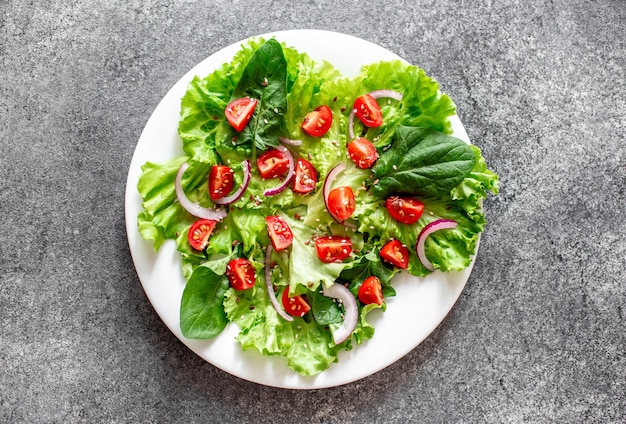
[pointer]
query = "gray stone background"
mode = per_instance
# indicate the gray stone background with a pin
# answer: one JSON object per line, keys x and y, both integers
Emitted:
{"x": 539, "y": 333}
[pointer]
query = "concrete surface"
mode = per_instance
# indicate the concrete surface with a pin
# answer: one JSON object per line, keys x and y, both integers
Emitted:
{"x": 539, "y": 333}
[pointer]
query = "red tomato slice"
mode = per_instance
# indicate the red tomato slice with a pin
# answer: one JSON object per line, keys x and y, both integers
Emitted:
{"x": 395, "y": 253}
{"x": 272, "y": 164}
{"x": 362, "y": 152}
{"x": 341, "y": 203}
{"x": 368, "y": 111}
{"x": 333, "y": 248}
{"x": 241, "y": 274}
{"x": 317, "y": 122}
{"x": 279, "y": 231}
{"x": 306, "y": 177}
{"x": 220, "y": 181}
{"x": 199, "y": 233}
{"x": 238, "y": 112}
{"x": 371, "y": 291}
{"x": 295, "y": 306}
{"x": 405, "y": 210}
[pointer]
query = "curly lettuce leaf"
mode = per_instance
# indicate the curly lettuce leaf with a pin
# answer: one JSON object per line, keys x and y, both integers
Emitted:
{"x": 162, "y": 217}
{"x": 422, "y": 105}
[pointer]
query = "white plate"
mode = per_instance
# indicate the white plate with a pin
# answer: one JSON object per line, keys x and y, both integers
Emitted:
{"x": 420, "y": 305}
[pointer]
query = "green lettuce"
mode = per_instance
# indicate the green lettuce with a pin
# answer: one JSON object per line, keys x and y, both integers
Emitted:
{"x": 418, "y": 158}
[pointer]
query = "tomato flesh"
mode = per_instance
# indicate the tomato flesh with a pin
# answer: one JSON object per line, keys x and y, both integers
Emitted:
{"x": 199, "y": 233}
{"x": 368, "y": 111}
{"x": 279, "y": 232}
{"x": 272, "y": 164}
{"x": 317, "y": 122}
{"x": 295, "y": 306}
{"x": 362, "y": 152}
{"x": 371, "y": 291}
{"x": 221, "y": 181}
{"x": 239, "y": 111}
{"x": 395, "y": 253}
{"x": 241, "y": 274}
{"x": 306, "y": 177}
{"x": 405, "y": 210}
{"x": 341, "y": 203}
{"x": 333, "y": 248}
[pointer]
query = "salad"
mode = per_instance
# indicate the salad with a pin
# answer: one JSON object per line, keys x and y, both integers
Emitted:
{"x": 301, "y": 193}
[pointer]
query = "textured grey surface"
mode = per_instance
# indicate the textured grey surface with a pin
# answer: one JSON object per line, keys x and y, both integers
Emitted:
{"x": 538, "y": 335}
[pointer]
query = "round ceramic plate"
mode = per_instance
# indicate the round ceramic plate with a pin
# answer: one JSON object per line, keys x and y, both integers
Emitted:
{"x": 417, "y": 309}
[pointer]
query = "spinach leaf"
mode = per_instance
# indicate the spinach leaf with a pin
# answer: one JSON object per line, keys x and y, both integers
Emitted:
{"x": 325, "y": 309}
{"x": 366, "y": 266}
{"x": 421, "y": 161}
{"x": 265, "y": 79}
{"x": 202, "y": 313}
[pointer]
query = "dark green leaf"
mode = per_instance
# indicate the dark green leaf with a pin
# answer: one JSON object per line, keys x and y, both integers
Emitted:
{"x": 265, "y": 79}
{"x": 325, "y": 309}
{"x": 202, "y": 313}
{"x": 366, "y": 266}
{"x": 422, "y": 161}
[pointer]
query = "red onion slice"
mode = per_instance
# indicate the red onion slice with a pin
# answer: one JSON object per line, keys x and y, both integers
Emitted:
{"x": 386, "y": 93}
{"x": 270, "y": 287}
{"x": 351, "y": 311}
{"x": 194, "y": 208}
{"x": 351, "y": 124}
{"x": 247, "y": 174}
{"x": 289, "y": 142}
{"x": 440, "y": 224}
{"x": 290, "y": 173}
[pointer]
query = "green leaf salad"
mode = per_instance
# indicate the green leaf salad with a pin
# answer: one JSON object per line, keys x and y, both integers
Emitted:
{"x": 420, "y": 176}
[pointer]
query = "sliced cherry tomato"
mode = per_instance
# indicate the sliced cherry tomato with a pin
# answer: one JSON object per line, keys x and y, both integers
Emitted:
{"x": 220, "y": 181}
{"x": 306, "y": 177}
{"x": 371, "y": 291}
{"x": 396, "y": 254}
{"x": 238, "y": 112}
{"x": 295, "y": 306}
{"x": 404, "y": 209}
{"x": 272, "y": 164}
{"x": 317, "y": 122}
{"x": 199, "y": 233}
{"x": 333, "y": 248}
{"x": 241, "y": 274}
{"x": 279, "y": 231}
{"x": 341, "y": 203}
{"x": 362, "y": 152}
{"x": 368, "y": 111}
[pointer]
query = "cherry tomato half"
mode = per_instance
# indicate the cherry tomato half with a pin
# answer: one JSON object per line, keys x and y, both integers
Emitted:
{"x": 371, "y": 291}
{"x": 199, "y": 233}
{"x": 317, "y": 122}
{"x": 306, "y": 177}
{"x": 295, "y": 306}
{"x": 279, "y": 232}
{"x": 362, "y": 152}
{"x": 238, "y": 112}
{"x": 341, "y": 203}
{"x": 272, "y": 164}
{"x": 404, "y": 209}
{"x": 395, "y": 253}
{"x": 333, "y": 248}
{"x": 241, "y": 274}
{"x": 368, "y": 111}
{"x": 220, "y": 181}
